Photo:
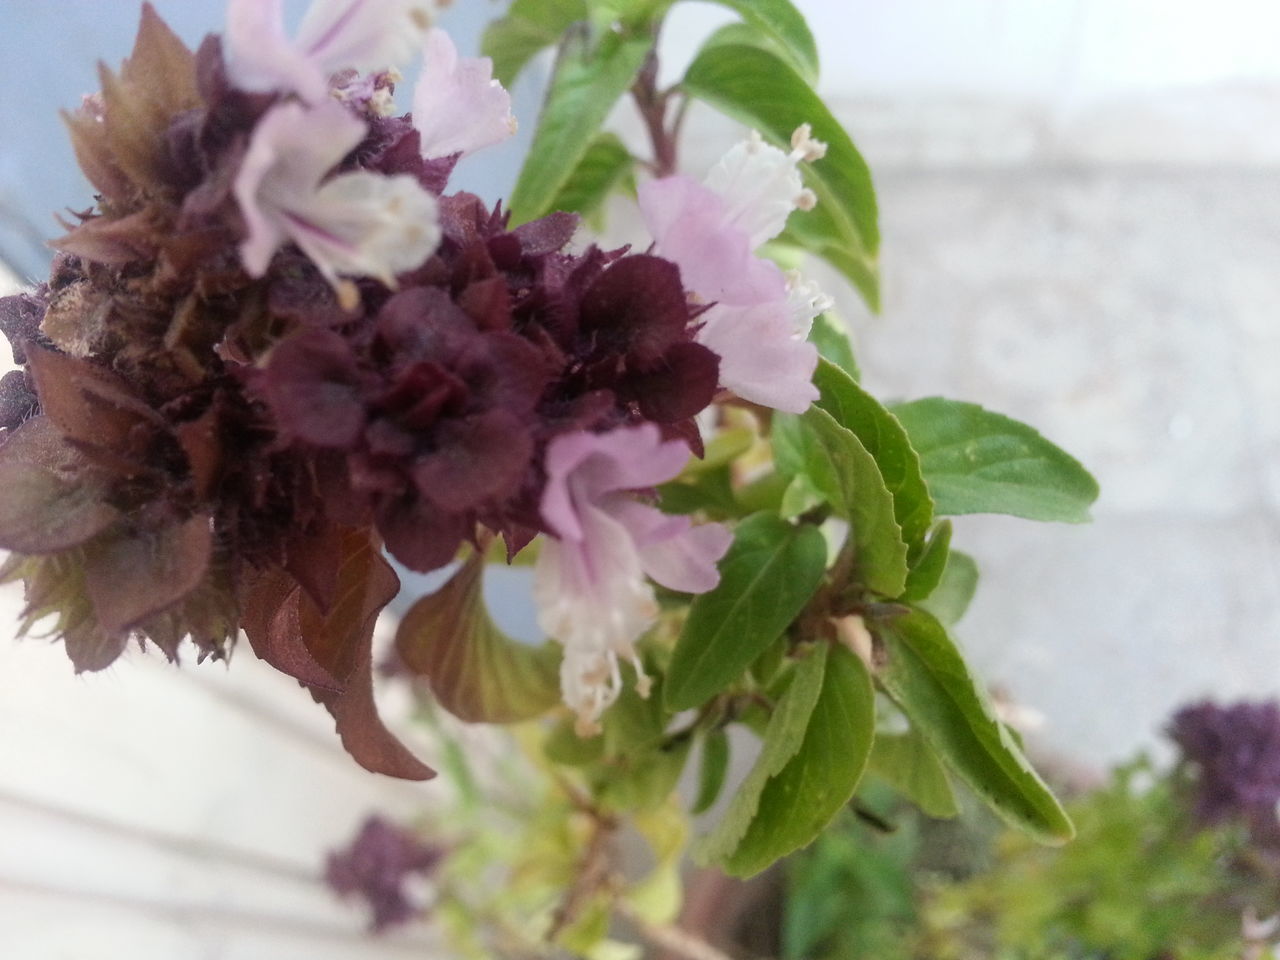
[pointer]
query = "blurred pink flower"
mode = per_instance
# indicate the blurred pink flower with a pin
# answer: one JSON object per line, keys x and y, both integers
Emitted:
{"x": 590, "y": 578}
{"x": 363, "y": 35}
{"x": 353, "y": 224}
{"x": 458, "y": 107}
{"x": 760, "y": 316}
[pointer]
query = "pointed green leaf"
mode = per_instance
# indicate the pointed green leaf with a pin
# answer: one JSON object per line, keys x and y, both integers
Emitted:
{"x": 838, "y": 465}
{"x": 605, "y": 165}
{"x": 928, "y": 568}
{"x": 818, "y": 781}
{"x": 759, "y": 89}
{"x": 909, "y": 765}
{"x": 925, "y": 673}
{"x": 590, "y": 76}
{"x": 976, "y": 461}
{"x": 766, "y": 578}
{"x": 775, "y": 26}
{"x": 477, "y": 672}
{"x": 886, "y": 440}
{"x": 783, "y": 738}
{"x": 832, "y": 339}
{"x": 529, "y": 27}
{"x": 715, "y": 764}
{"x": 954, "y": 592}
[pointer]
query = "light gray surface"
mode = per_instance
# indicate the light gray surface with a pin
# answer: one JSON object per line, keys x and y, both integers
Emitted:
{"x": 1130, "y": 313}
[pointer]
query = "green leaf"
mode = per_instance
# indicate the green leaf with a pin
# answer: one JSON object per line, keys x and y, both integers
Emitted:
{"x": 822, "y": 233}
{"x": 886, "y": 440}
{"x": 976, "y": 461}
{"x": 564, "y": 746}
{"x": 711, "y": 774}
{"x": 783, "y": 738}
{"x": 818, "y": 781}
{"x": 744, "y": 34}
{"x": 529, "y": 27}
{"x": 766, "y": 578}
{"x": 759, "y": 89}
{"x": 925, "y": 673}
{"x": 634, "y": 722}
{"x": 606, "y": 163}
{"x": 642, "y": 779}
{"x": 838, "y": 465}
{"x": 951, "y": 598}
{"x": 477, "y": 672}
{"x": 709, "y": 491}
{"x": 832, "y": 339}
{"x": 785, "y": 26}
{"x": 588, "y": 80}
{"x": 906, "y": 762}
{"x": 928, "y": 568}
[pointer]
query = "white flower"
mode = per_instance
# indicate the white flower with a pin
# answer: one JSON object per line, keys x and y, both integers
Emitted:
{"x": 457, "y": 105}
{"x": 353, "y": 224}
{"x": 760, "y": 316}
{"x": 363, "y": 35}
{"x": 590, "y": 583}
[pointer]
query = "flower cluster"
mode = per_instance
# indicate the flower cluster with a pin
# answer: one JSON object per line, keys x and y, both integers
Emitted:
{"x": 1236, "y": 754}
{"x": 380, "y": 867}
{"x": 275, "y": 345}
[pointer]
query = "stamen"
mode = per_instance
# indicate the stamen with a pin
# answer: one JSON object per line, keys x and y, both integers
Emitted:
{"x": 804, "y": 148}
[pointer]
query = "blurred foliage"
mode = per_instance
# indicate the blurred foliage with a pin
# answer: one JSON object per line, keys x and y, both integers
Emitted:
{"x": 1143, "y": 880}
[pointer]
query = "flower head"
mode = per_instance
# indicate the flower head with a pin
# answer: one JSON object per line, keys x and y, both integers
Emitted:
{"x": 458, "y": 107}
{"x": 590, "y": 579}
{"x": 353, "y": 224}
{"x": 335, "y": 35}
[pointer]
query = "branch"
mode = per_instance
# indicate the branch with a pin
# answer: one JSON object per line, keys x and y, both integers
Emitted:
{"x": 676, "y": 942}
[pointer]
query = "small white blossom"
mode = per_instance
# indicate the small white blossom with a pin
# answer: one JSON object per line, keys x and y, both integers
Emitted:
{"x": 589, "y": 582}
{"x": 353, "y": 224}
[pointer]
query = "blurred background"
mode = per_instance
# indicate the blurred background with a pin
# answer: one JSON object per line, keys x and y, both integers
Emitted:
{"x": 1079, "y": 201}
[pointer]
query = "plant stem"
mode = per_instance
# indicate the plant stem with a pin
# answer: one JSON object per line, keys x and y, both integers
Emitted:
{"x": 653, "y": 111}
{"x": 676, "y": 942}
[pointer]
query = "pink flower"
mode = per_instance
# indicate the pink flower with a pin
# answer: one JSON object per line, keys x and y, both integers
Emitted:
{"x": 364, "y": 35}
{"x": 590, "y": 578}
{"x": 353, "y": 224}
{"x": 457, "y": 105}
{"x": 761, "y": 316}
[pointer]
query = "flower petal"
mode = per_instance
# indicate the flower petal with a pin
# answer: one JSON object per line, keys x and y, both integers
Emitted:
{"x": 584, "y": 467}
{"x": 261, "y": 57}
{"x": 458, "y": 107}
{"x": 363, "y": 35}
{"x": 365, "y": 224}
{"x": 335, "y": 35}
{"x": 760, "y": 186}
{"x": 690, "y": 226}
{"x": 592, "y": 597}
{"x": 292, "y": 148}
{"x": 356, "y": 224}
{"x": 761, "y": 358}
{"x": 673, "y": 551}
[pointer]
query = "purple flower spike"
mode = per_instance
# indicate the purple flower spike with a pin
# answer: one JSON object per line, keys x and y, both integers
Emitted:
{"x": 378, "y": 867}
{"x": 1237, "y": 752}
{"x": 590, "y": 578}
